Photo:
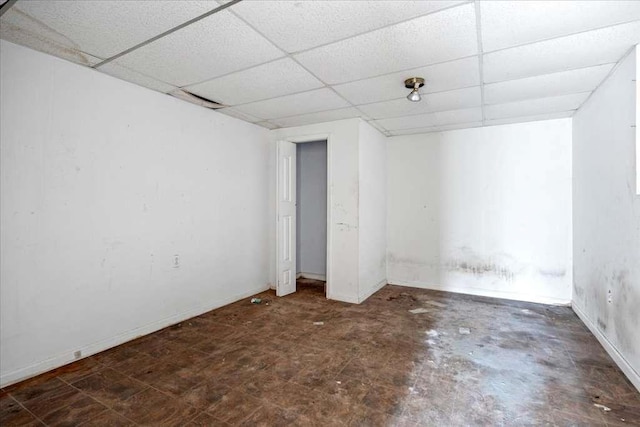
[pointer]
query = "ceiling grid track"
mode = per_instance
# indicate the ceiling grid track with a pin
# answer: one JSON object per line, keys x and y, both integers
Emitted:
{"x": 480, "y": 59}
{"x": 613, "y": 70}
{"x": 166, "y": 33}
{"x": 485, "y": 63}
{"x": 6, "y": 6}
{"x": 417, "y": 16}
{"x": 290, "y": 56}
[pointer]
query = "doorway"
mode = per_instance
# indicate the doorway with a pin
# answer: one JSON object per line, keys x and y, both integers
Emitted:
{"x": 311, "y": 213}
{"x": 302, "y": 232}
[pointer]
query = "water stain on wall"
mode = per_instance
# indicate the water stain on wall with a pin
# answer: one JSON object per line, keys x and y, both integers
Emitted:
{"x": 553, "y": 273}
{"x": 480, "y": 268}
{"x": 626, "y": 313}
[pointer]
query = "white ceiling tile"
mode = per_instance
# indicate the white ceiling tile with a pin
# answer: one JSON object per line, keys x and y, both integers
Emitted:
{"x": 564, "y": 82}
{"x": 522, "y": 119}
{"x": 216, "y": 45}
{"x": 511, "y": 23}
{"x": 439, "y": 37}
{"x": 126, "y": 74}
{"x": 439, "y": 77}
{"x": 536, "y": 106}
{"x": 321, "y": 117}
{"x": 441, "y": 118}
{"x": 18, "y": 28}
{"x": 441, "y": 101}
{"x": 239, "y": 115}
{"x": 278, "y": 78}
{"x": 102, "y": 28}
{"x": 431, "y": 129}
{"x": 300, "y": 25}
{"x": 580, "y": 50}
{"x": 297, "y": 104}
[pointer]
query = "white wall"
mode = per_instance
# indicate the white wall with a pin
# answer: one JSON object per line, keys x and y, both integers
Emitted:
{"x": 103, "y": 185}
{"x": 483, "y": 211}
{"x": 606, "y": 218}
{"x": 372, "y": 210}
{"x": 311, "y": 208}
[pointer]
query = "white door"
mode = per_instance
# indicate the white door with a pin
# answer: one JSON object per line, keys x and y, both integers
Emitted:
{"x": 286, "y": 218}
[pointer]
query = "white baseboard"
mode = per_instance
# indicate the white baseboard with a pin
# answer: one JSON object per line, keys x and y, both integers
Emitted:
{"x": 373, "y": 290}
{"x": 622, "y": 363}
{"x": 343, "y": 298}
{"x": 312, "y": 276}
{"x": 91, "y": 349}
{"x": 516, "y": 296}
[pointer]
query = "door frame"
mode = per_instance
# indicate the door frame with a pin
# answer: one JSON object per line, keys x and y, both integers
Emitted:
{"x": 302, "y": 140}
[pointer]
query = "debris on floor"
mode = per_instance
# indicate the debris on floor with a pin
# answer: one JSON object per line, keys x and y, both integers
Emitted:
{"x": 318, "y": 323}
{"x": 604, "y": 408}
{"x": 402, "y": 295}
{"x": 418, "y": 311}
{"x": 432, "y": 333}
{"x": 256, "y": 301}
{"x": 464, "y": 331}
{"x": 436, "y": 304}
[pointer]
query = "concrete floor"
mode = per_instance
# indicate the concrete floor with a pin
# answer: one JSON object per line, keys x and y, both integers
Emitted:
{"x": 465, "y": 361}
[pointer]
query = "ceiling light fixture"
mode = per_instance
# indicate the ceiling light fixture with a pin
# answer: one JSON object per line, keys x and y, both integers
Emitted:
{"x": 414, "y": 83}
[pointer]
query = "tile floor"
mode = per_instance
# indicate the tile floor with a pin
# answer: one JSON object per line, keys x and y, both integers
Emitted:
{"x": 374, "y": 364}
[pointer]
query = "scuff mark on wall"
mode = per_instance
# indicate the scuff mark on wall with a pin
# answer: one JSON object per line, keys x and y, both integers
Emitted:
{"x": 602, "y": 324}
{"x": 343, "y": 226}
{"x": 626, "y": 313}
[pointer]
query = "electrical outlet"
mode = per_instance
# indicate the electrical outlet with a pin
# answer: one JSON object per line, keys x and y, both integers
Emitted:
{"x": 609, "y": 296}
{"x": 77, "y": 354}
{"x": 176, "y": 261}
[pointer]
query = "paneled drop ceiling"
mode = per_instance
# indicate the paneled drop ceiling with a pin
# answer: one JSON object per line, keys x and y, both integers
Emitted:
{"x": 291, "y": 63}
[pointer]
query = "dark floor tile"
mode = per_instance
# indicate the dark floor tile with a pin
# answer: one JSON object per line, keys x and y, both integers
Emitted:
{"x": 364, "y": 416}
{"x": 77, "y": 412}
{"x": 39, "y": 387}
{"x": 371, "y": 364}
{"x": 385, "y": 398}
{"x": 619, "y": 411}
{"x": 151, "y": 407}
{"x": 110, "y": 387}
{"x": 13, "y": 414}
{"x": 269, "y": 415}
{"x": 206, "y": 420}
{"x": 168, "y": 377}
{"x": 78, "y": 370}
{"x": 573, "y": 419}
{"x": 43, "y": 405}
{"x": 146, "y": 344}
{"x": 205, "y": 395}
{"x": 115, "y": 355}
{"x": 347, "y": 388}
{"x": 365, "y": 369}
{"x": 108, "y": 418}
{"x": 235, "y": 406}
{"x": 135, "y": 364}
{"x": 263, "y": 384}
